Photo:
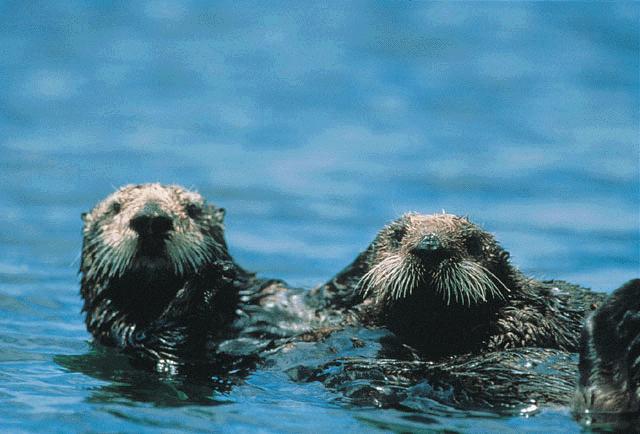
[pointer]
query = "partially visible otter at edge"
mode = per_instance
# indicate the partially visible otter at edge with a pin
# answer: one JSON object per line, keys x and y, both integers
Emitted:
{"x": 444, "y": 286}
{"x": 158, "y": 280}
{"x": 609, "y": 386}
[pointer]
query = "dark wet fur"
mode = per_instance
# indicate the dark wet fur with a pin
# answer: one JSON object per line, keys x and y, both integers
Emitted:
{"x": 176, "y": 326}
{"x": 609, "y": 388}
{"x": 514, "y": 380}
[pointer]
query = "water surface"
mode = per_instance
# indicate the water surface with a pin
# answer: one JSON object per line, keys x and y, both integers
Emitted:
{"x": 313, "y": 124}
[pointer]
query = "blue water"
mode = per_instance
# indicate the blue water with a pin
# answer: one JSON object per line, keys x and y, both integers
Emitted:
{"x": 313, "y": 124}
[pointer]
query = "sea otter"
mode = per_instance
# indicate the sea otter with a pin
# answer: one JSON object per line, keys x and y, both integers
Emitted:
{"x": 609, "y": 386}
{"x": 158, "y": 280}
{"x": 445, "y": 286}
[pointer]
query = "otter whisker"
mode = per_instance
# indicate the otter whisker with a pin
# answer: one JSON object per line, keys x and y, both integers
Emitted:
{"x": 126, "y": 257}
{"x": 191, "y": 260}
{"x": 473, "y": 290}
{"x": 465, "y": 282}
{"x": 396, "y": 288}
{"x": 387, "y": 279}
{"x": 497, "y": 293}
{"x": 477, "y": 291}
{"x": 183, "y": 257}
{"x": 365, "y": 284}
{"x": 402, "y": 278}
{"x": 101, "y": 261}
{"x": 408, "y": 280}
{"x": 396, "y": 285}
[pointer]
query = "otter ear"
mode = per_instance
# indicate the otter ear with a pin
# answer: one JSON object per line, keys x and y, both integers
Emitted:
{"x": 219, "y": 213}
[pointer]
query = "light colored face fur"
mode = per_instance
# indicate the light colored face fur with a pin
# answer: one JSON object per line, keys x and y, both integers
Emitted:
{"x": 112, "y": 247}
{"x": 457, "y": 264}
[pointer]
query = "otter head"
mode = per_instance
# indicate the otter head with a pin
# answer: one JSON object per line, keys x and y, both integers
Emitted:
{"x": 153, "y": 231}
{"x": 443, "y": 256}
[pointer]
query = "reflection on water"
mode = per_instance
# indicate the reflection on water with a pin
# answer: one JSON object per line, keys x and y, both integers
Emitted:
{"x": 313, "y": 124}
{"x": 124, "y": 383}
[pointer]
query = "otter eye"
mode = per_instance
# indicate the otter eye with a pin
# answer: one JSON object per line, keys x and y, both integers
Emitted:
{"x": 116, "y": 207}
{"x": 474, "y": 246}
{"x": 398, "y": 234}
{"x": 193, "y": 210}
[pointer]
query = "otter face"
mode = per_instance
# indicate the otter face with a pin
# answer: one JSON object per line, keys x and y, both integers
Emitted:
{"x": 441, "y": 253}
{"x": 152, "y": 229}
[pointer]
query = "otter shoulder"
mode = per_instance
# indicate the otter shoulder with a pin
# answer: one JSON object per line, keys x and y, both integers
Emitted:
{"x": 609, "y": 387}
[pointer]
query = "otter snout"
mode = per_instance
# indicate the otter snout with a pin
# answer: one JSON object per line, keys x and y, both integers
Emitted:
{"x": 427, "y": 246}
{"x": 151, "y": 220}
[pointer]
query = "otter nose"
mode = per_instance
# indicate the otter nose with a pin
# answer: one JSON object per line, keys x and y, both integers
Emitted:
{"x": 427, "y": 245}
{"x": 151, "y": 221}
{"x": 151, "y": 225}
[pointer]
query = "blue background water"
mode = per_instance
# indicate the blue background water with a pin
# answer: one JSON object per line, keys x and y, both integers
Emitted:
{"x": 313, "y": 124}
